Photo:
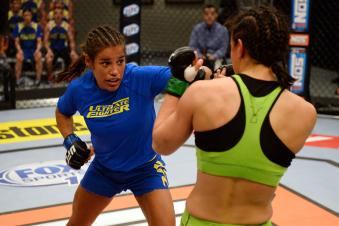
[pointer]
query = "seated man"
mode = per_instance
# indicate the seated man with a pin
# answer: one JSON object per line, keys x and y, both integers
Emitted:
{"x": 14, "y": 14}
{"x": 59, "y": 42}
{"x": 37, "y": 8}
{"x": 65, "y": 13}
{"x": 14, "y": 17}
{"x": 66, "y": 7}
{"x": 28, "y": 43}
{"x": 210, "y": 39}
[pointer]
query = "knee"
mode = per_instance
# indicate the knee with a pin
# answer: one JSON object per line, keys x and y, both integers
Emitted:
{"x": 74, "y": 57}
{"x": 37, "y": 57}
{"x": 19, "y": 58}
{"x": 49, "y": 59}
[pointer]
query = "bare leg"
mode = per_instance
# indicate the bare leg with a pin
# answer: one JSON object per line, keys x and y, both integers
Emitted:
{"x": 18, "y": 65}
{"x": 86, "y": 207}
{"x": 49, "y": 63}
{"x": 38, "y": 65}
{"x": 74, "y": 57}
{"x": 158, "y": 207}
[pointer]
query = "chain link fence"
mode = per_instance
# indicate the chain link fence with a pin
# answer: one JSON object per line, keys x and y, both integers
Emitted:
{"x": 324, "y": 53}
{"x": 166, "y": 26}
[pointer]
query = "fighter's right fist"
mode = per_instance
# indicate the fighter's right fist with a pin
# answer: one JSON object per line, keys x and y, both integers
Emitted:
{"x": 183, "y": 71}
{"x": 77, "y": 153}
{"x": 179, "y": 60}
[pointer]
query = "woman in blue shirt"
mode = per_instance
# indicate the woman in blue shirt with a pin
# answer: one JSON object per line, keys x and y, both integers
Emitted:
{"x": 117, "y": 102}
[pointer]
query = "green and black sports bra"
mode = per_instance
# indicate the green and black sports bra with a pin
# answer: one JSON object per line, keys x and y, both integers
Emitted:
{"x": 246, "y": 147}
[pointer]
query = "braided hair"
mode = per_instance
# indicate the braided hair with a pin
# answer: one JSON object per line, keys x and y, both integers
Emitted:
{"x": 264, "y": 33}
{"x": 97, "y": 39}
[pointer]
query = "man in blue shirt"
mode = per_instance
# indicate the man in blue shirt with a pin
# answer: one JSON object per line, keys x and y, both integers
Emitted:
{"x": 14, "y": 17}
{"x": 37, "y": 7}
{"x": 210, "y": 39}
{"x": 28, "y": 44}
{"x": 59, "y": 42}
{"x": 14, "y": 14}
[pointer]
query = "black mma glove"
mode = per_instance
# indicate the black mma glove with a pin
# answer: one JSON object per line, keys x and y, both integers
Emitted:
{"x": 229, "y": 70}
{"x": 77, "y": 151}
{"x": 183, "y": 72}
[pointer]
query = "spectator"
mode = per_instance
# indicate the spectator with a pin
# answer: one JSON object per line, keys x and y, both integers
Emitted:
{"x": 210, "y": 39}
{"x": 14, "y": 14}
{"x": 37, "y": 8}
{"x": 28, "y": 43}
{"x": 65, "y": 4}
{"x": 65, "y": 13}
{"x": 66, "y": 7}
{"x": 59, "y": 42}
{"x": 14, "y": 17}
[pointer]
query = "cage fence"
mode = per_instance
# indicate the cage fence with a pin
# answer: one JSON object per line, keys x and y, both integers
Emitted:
{"x": 166, "y": 25}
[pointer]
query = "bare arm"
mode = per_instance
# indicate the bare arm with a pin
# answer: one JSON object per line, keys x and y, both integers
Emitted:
{"x": 193, "y": 42}
{"x": 43, "y": 15}
{"x": 17, "y": 44}
{"x": 305, "y": 121}
{"x": 222, "y": 50}
{"x": 70, "y": 9}
{"x": 39, "y": 44}
{"x": 64, "y": 123}
{"x": 65, "y": 126}
{"x": 71, "y": 39}
{"x": 296, "y": 128}
{"x": 173, "y": 125}
{"x": 46, "y": 37}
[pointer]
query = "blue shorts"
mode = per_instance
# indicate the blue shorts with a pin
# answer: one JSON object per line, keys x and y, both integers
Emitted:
{"x": 143, "y": 179}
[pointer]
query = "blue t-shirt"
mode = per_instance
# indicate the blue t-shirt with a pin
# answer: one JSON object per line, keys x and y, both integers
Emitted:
{"x": 28, "y": 35}
{"x": 58, "y": 38}
{"x": 120, "y": 122}
{"x": 13, "y": 20}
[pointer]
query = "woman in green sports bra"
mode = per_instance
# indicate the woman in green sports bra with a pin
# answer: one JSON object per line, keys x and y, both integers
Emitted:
{"x": 248, "y": 126}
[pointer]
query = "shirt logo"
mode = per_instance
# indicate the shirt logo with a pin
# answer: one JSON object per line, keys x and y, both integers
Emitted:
{"x": 101, "y": 111}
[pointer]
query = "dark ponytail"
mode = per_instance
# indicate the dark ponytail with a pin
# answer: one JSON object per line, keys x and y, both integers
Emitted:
{"x": 75, "y": 70}
{"x": 284, "y": 78}
{"x": 265, "y": 35}
{"x": 98, "y": 39}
